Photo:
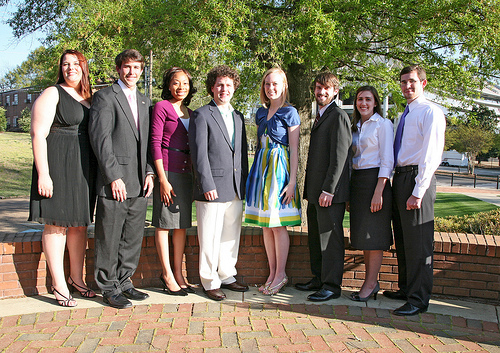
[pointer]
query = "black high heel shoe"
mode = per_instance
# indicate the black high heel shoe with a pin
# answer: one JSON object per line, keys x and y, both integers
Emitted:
{"x": 84, "y": 291}
{"x": 355, "y": 296}
{"x": 65, "y": 301}
{"x": 188, "y": 289}
{"x": 180, "y": 292}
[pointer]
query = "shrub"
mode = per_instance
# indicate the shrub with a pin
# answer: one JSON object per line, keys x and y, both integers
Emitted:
{"x": 478, "y": 223}
{"x": 3, "y": 120}
{"x": 25, "y": 120}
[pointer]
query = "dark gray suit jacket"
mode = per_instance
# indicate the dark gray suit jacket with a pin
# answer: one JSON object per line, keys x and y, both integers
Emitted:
{"x": 119, "y": 149}
{"x": 216, "y": 163}
{"x": 328, "y": 163}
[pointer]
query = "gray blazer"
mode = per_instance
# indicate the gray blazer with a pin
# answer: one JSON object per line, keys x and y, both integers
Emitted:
{"x": 218, "y": 166}
{"x": 121, "y": 150}
{"x": 328, "y": 163}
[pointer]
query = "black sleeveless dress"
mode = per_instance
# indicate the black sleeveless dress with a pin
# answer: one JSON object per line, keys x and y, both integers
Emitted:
{"x": 72, "y": 167}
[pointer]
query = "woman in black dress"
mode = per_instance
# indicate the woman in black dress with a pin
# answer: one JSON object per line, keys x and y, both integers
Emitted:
{"x": 62, "y": 189}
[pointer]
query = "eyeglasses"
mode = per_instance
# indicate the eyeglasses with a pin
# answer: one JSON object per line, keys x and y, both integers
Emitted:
{"x": 411, "y": 82}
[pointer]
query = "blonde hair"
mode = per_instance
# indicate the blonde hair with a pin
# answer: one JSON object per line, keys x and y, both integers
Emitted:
{"x": 285, "y": 97}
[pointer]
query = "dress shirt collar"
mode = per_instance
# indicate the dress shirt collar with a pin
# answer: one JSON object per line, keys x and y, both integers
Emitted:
{"x": 323, "y": 109}
{"x": 416, "y": 101}
{"x": 224, "y": 110}
{"x": 127, "y": 90}
{"x": 374, "y": 117}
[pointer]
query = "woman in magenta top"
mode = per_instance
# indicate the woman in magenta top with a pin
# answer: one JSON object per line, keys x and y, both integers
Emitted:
{"x": 172, "y": 194}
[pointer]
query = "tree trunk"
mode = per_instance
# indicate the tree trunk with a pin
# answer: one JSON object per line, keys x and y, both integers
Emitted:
{"x": 299, "y": 84}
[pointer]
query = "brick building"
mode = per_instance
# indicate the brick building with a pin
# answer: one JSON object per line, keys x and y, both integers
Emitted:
{"x": 14, "y": 101}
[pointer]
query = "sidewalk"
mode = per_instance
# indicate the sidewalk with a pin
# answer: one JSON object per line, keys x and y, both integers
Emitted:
{"x": 245, "y": 322}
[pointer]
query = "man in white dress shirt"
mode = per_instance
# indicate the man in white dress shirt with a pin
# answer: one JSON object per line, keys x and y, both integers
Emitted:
{"x": 418, "y": 147}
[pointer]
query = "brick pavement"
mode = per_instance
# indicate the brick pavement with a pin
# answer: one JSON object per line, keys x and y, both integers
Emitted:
{"x": 243, "y": 327}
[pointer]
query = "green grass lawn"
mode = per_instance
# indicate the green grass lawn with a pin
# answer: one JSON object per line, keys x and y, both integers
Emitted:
{"x": 447, "y": 204}
{"x": 16, "y": 160}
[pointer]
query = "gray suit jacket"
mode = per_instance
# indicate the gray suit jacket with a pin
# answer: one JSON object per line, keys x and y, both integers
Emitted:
{"x": 216, "y": 163}
{"x": 328, "y": 163}
{"x": 121, "y": 150}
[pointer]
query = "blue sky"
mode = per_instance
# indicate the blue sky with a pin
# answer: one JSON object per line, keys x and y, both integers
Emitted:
{"x": 13, "y": 51}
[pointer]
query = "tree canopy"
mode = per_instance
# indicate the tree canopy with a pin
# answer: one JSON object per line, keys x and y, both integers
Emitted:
{"x": 367, "y": 41}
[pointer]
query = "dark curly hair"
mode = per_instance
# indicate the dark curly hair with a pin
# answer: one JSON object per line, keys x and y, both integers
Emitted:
{"x": 85, "y": 89}
{"x": 221, "y": 71}
{"x": 165, "y": 87}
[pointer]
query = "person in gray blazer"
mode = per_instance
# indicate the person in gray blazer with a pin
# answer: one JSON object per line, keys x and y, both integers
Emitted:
{"x": 119, "y": 132}
{"x": 327, "y": 190}
{"x": 219, "y": 154}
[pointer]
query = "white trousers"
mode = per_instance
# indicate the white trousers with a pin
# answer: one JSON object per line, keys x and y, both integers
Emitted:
{"x": 219, "y": 229}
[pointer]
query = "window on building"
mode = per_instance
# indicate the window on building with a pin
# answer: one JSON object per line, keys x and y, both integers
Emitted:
{"x": 14, "y": 121}
{"x": 28, "y": 98}
{"x": 7, "y": 101}
{"x": 15, "y": 100}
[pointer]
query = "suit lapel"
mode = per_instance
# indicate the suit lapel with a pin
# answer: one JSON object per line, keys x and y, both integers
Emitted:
{"x": 237, "y": 131}
{"x": 123, "y": 102}
{"x": 324, "y": 115}
{"x": 143, "y": 111}
{"x": 220, "y": 122}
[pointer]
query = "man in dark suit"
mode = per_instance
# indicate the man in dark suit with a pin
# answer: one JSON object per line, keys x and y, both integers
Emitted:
{"x": 219, "y": 153}
{"x": 119, "y": 131}
{"x": 327, "y": 189}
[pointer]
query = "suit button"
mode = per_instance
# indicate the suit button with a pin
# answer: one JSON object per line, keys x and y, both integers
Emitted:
{"x": 185, "y": 161}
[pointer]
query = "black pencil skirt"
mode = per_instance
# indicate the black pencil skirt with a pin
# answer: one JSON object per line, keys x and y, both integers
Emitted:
{"x": 369, "y": 231}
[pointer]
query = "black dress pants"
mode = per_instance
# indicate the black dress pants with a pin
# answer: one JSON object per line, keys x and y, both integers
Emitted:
{"x": 414, "y": 238}
{"x": 119, "y": 229}
{"x": 326, "y": 244}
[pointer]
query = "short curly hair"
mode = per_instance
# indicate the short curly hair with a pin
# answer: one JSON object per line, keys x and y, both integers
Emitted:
{"x": 221, "y": 71}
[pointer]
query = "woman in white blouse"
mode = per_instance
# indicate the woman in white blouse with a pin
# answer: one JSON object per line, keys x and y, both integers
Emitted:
{"x": 371, "y": 201}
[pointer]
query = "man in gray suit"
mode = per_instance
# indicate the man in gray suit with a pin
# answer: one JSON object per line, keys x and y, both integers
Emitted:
{"x": 119, "y": 131}
{"x": 327, "y": 189}
{"x": 219, "y": 153}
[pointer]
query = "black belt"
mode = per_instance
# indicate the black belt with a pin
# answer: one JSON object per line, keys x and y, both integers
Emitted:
{"x": 178, "y": 150}
{"x": 406, "y": 168}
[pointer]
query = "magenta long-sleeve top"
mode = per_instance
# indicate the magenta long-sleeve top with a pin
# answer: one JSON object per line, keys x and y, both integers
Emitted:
{"x": 169, "y": 138}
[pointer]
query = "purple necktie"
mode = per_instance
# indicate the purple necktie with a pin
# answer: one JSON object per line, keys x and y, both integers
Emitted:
{"x": 399, "y": 135}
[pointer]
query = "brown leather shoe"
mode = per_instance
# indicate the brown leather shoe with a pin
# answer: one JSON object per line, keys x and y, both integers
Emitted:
{"x": 235, "y": 287}
{"x": 215, "y": 294}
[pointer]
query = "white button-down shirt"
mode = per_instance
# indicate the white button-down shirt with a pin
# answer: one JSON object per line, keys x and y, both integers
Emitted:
{"x": 372, "y": 145}
{"x": 422, "y": 142}
{"x": 227, "y": 116}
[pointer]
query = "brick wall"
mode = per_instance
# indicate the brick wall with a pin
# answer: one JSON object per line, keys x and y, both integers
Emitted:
{"x": 465, "y": 265}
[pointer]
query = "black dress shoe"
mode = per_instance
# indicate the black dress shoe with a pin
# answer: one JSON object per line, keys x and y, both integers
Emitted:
{"x": 313, "y": 285}
{"x": 323, "y": 295}
{"x": 409, "y": 309}
{"x": 235, "y": 287}
{"x": 117, "y": 301}
{"x": 134, "y": 294}
{"x": 398, "y": 295}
